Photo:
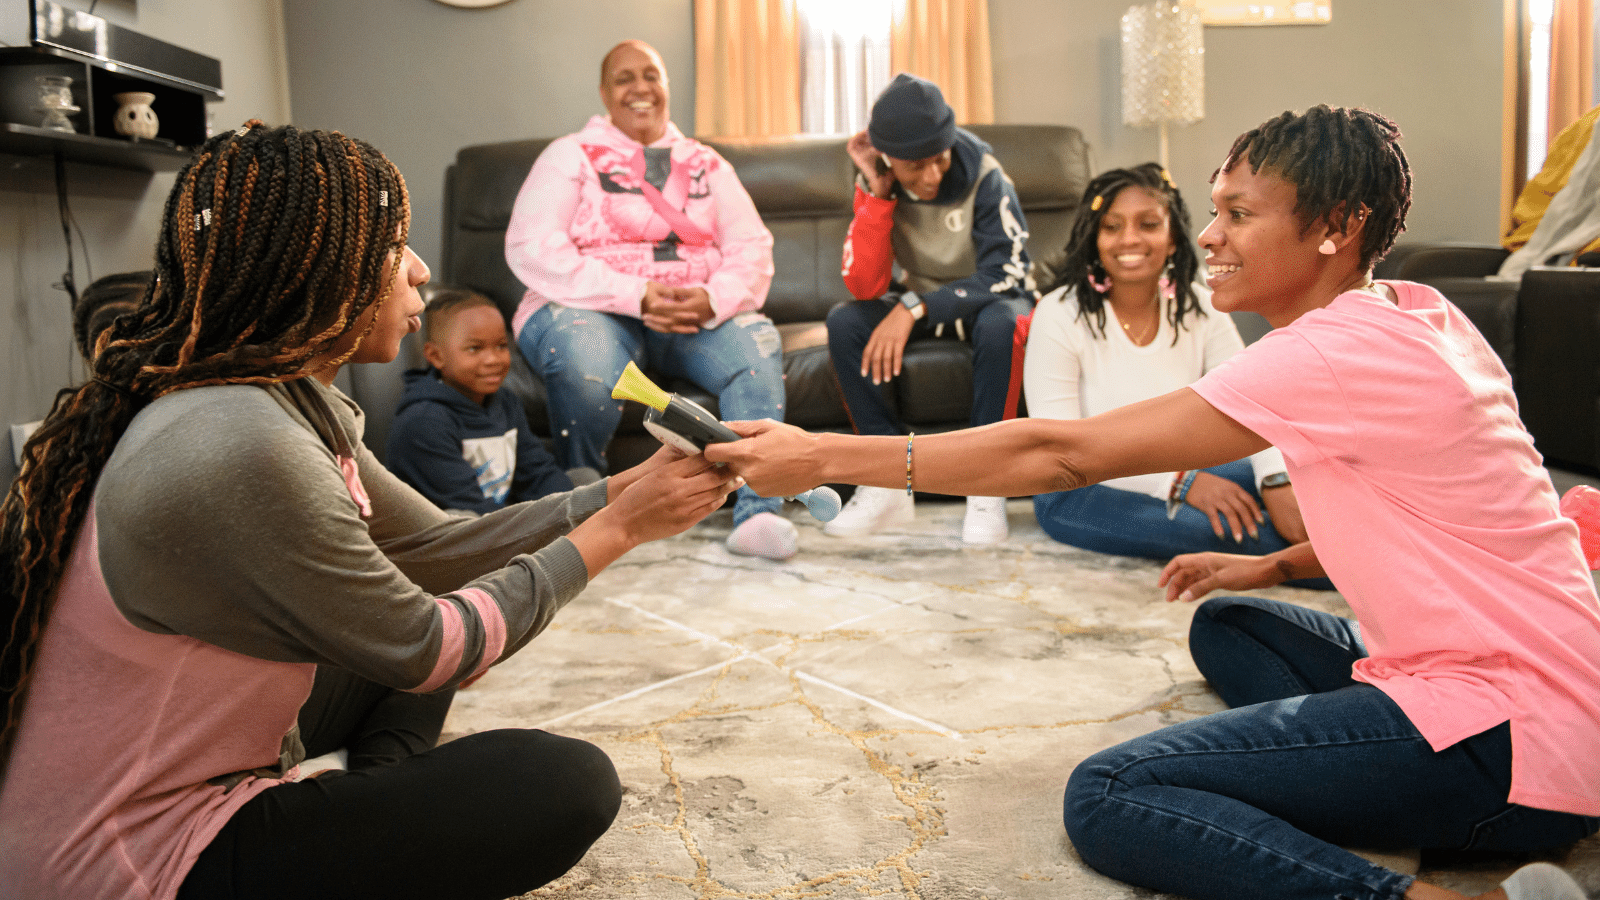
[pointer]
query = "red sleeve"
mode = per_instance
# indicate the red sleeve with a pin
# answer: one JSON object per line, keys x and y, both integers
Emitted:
{"x": 868, "y": 255}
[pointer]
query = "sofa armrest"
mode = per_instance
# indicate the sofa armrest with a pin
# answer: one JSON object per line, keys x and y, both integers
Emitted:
{"x": 1558, "y": 377}
{"x": 1423, "y": 261}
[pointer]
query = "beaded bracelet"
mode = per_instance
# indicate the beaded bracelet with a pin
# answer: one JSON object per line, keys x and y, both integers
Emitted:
{"x": 1181, "y": 482}
{"x": 1188, "y": 482}
{"x": 909, "y": 441}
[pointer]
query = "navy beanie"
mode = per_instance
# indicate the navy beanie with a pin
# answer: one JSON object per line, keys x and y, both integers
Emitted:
{"x": 910, "y": 119}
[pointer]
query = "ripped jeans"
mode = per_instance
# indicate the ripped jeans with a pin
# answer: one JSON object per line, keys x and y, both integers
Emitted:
{"x": 580, "y": 354}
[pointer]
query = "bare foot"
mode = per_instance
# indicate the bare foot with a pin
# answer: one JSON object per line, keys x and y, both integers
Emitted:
{"x": 1420, "y": 891}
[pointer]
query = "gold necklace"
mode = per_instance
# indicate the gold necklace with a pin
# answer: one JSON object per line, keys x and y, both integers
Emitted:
{"x": 1145, "y": 335}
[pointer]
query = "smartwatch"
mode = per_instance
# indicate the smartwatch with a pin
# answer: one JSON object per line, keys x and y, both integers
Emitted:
{"x": 913, "y": 305}
{"x": 1276, "y": 479}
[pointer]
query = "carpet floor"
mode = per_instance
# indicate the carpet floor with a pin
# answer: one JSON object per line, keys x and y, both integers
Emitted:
{"x": 890, "y": 716}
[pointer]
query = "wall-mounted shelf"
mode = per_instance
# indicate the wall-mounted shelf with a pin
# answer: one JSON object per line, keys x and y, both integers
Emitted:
{"x": 180, "y": 103}
{"x": 142, "y": 156}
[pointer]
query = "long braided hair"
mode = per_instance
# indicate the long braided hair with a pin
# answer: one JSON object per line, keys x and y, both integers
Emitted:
{"x": 273, "y": 243}
{"x": 1082, "y": 253}
{"x": 1339, "y": 160}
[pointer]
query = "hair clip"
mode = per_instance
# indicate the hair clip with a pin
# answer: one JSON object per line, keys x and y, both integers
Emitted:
{"x": 383, "y": 198}
{"x": 1167, "y": 177}
{"x": 202, "y": 218}
{"x": 242, "y": 130}
{"x": 1099, "y": 201}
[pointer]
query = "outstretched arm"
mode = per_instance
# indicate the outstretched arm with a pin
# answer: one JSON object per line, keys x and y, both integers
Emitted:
{"x": 1013, "y": 458}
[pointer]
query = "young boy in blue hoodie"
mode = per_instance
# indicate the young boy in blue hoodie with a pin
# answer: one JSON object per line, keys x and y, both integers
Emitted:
{"x": 457, "y": 438}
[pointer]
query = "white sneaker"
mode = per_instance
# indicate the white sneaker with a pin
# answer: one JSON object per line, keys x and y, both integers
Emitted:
{"x": 985, "y": 522}
{"x": 1541, "y": 881}
{"x": 872, "y": 509}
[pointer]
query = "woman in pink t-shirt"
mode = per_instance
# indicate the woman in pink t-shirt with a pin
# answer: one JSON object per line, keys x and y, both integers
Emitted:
{"x": 1463, "y": 710}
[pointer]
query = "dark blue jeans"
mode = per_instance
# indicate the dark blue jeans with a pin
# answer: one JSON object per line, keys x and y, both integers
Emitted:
{"x": 1125, "y": 523}
{"x": 1256, "y": 802}
{"x": 990, "y": 330}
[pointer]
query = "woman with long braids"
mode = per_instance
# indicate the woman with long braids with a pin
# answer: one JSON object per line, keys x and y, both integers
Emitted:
{"x": 1127, "y": 323}
{"x": 204, "y": 575}
{"x": 1462, "y": 708}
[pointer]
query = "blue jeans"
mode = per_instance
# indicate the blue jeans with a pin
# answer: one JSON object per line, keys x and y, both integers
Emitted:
{"x": 1126, "y": 523}
{"x": 1257, "y": 801}
{"x": 990, "y": 329}
{"x": 580, "y": 354}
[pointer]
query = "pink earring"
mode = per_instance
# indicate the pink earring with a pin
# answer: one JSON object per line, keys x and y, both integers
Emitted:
{"x": 1100, "y": 286}
{"x": 1169, "y": 291}
{"x": 1327, "y": 248}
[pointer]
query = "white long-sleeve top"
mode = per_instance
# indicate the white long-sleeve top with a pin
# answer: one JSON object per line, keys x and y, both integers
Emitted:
{"x": 1069, "y": 372}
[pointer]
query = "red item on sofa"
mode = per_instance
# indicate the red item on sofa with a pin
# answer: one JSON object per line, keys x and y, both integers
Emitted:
{"x": 1582, "y": 505}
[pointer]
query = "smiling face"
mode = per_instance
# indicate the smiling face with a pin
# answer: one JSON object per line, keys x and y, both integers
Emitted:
{"x": 633, "y": 86}
{"x": 1135, "y": 237}
{"x": 920, "y": 177}
{"x": 471, "y": 351}
{"x": 1259, "y": 256}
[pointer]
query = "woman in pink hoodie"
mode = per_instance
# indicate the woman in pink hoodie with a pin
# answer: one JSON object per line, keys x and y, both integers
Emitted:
{"x": 639, "y": 244}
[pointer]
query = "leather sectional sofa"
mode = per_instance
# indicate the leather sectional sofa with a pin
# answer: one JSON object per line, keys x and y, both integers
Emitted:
{"x": 803, "y": 189}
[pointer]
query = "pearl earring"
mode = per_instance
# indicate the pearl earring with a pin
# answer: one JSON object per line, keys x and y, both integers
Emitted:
{"x": 1327, "y": 248}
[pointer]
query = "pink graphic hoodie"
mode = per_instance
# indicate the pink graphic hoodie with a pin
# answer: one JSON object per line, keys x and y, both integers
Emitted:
{"x": 584, "y": 234}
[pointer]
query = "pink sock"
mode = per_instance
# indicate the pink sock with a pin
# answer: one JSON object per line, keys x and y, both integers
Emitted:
{"x": 767, "y": 535}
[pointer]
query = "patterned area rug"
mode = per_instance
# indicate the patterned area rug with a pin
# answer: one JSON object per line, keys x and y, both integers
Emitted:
{"x": 892, "y": 716}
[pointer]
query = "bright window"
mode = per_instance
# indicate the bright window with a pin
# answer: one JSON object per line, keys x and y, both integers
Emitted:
{"x": 844, "y": 62}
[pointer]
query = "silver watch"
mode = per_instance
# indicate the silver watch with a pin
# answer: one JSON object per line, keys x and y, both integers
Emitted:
{"x": 913, "y": 304}
{"x": 1276, "y": 479}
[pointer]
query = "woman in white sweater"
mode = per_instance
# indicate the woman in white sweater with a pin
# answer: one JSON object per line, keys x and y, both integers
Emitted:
{"x": 1127, "y": 322}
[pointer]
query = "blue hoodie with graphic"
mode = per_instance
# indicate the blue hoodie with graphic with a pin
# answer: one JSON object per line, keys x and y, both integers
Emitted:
{"x": 464, "y": 456}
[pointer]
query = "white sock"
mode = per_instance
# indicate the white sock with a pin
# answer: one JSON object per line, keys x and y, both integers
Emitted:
{"x": 1542, "y": 881}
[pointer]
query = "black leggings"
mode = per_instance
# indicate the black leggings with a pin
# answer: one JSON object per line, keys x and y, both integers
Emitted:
{"x": 490, "y": 815}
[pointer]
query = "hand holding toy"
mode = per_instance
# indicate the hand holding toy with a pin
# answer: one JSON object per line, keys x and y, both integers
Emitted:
{"x": 686, "y": 425}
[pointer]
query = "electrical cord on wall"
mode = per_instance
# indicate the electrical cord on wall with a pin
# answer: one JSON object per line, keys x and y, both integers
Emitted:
{"x": 68, "y": 281}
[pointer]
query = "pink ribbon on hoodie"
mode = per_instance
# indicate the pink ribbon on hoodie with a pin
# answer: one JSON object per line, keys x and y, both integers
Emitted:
{"x": 687, "y": 231}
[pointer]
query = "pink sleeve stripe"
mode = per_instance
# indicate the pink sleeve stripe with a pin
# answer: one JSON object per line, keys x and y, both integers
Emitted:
{"x": 450, "y": 648}
{"x": 494, "y": 626}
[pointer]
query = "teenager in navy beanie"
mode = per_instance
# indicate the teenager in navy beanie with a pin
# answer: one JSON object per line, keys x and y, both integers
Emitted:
{"x": 931, "y": 197}
{"x": 910, "y": 119}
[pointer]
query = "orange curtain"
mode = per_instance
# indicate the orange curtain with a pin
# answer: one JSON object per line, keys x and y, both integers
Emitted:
{"x": 747, "y": 68}
{"x": 947, "y": 42}
{"x": 1571, "y": 63}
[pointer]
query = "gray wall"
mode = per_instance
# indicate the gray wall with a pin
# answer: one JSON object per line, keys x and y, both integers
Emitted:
{"x": 425, "y": 79}
{"x": 1433, "y": 67}
{"x": 117, "y": 210}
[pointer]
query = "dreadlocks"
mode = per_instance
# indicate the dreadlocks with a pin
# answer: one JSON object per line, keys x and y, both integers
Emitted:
{"x": 273, "y": 242}
{"x": 1082, "y": 266}
{"x": 1338, "y": 160}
